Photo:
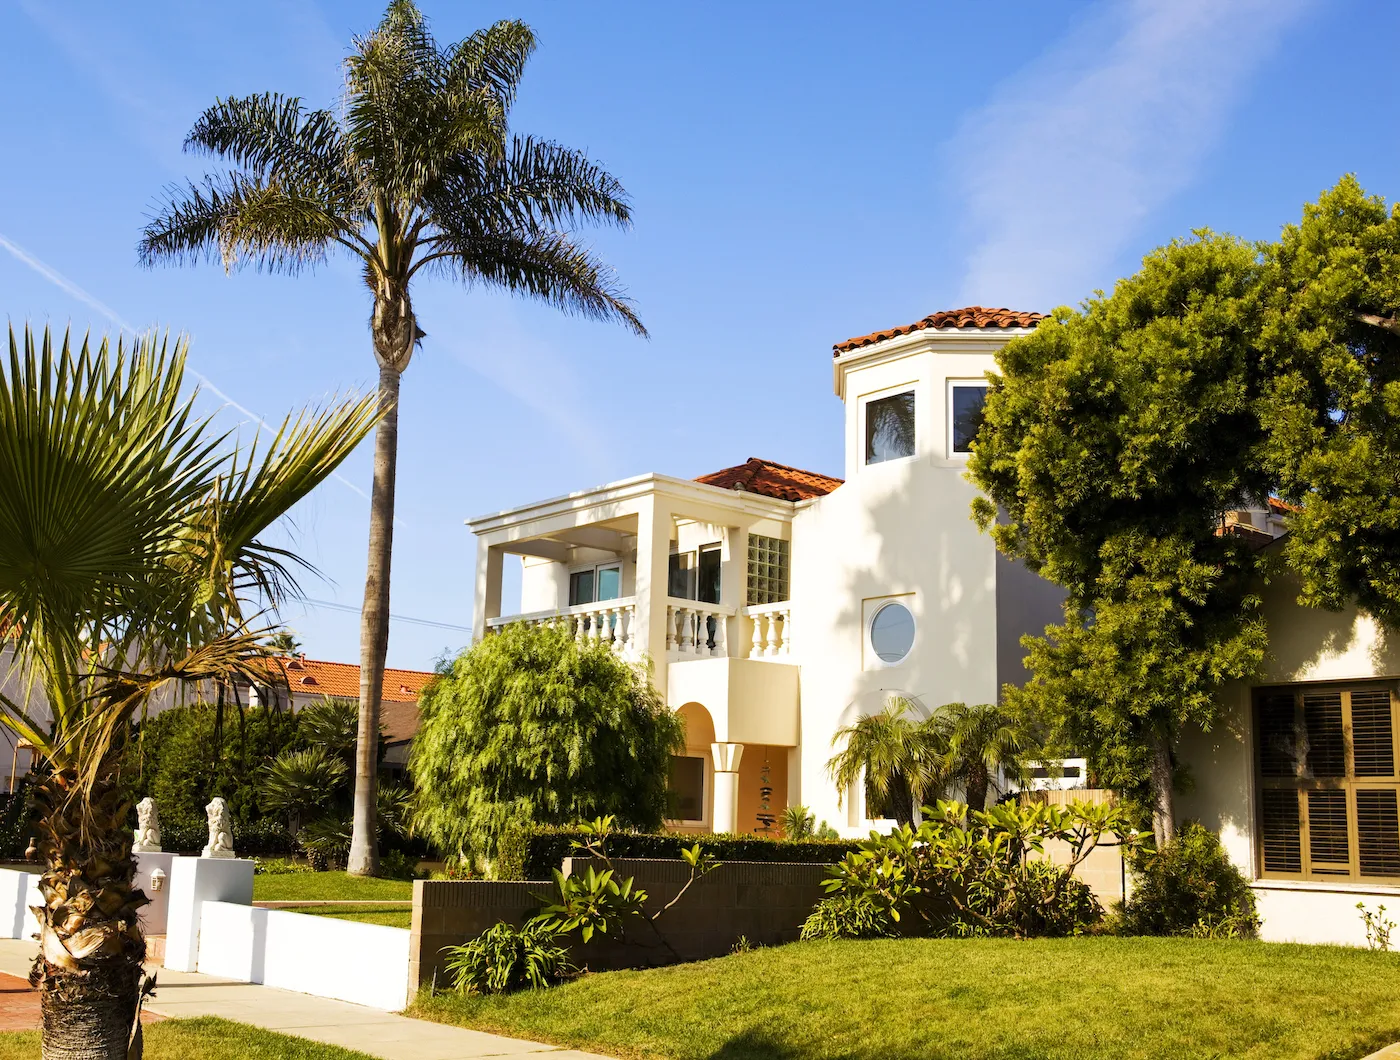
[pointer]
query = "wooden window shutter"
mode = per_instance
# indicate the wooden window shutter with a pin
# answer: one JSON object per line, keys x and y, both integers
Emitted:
{"x": 1327, "y": 745}
{"x": 1372, "y": 735}
{"x": 1283, "y": 848}
{"x": 1329, "y": 847}
{"x": 1378, "y": 831}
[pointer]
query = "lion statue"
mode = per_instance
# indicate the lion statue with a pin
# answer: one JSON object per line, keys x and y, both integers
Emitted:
{"x": 147, "y": 836}
{"x": 220, "y": 830}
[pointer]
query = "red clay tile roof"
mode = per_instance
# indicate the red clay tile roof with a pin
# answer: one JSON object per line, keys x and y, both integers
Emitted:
{"x": 772, "y": 480}
{"x": 974, "y": 316}
{"x": 398, "y": 711}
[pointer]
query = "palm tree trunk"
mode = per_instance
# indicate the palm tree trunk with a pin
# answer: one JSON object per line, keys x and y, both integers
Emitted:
{"x": 978, "y": 781}
{"x": 1163, "y": 797}
{"x": 374, "y": 628}
{"x": 88, "y": 970}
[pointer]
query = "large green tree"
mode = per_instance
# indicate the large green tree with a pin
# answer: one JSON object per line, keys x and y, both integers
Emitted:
{"x": 415, "y": 172}
{"x": 1114, "y": 440}
{"x": 899, "y": 758}
{"x": 529, "y": 726}
{"x": 130, "y": 562}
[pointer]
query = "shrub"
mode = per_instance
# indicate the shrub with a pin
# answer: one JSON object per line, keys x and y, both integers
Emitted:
{"x": 1190, "y": 887}
{"x": 527, "y": 726}
{"x": 534, "y": 852}
{"x": 849, "y": 916}
{"x": 505, "y": 958}
{"x": 798, "y": 823}
{"x": 975, "y": 873}
{"x": 278, "y": 867}
{"x": 396, "y": 865}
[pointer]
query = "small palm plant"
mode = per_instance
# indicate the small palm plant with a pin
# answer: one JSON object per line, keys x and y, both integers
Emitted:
{"x": 129, "y": 554}
{"x": 302, "y": 783}
{"x": 899, "y": 759}
{"x": 416, "y": 173}
{"x": 984, "y": 745}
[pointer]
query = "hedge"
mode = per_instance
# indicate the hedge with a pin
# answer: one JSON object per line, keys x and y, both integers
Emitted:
{"x": 534, "y": 853}
{"x": 259, "y": 839}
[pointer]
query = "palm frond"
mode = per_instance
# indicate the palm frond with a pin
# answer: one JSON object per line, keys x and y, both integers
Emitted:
{"x": 541, "y": 264}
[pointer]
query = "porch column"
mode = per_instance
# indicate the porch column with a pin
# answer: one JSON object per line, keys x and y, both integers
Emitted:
{"x": 655, "y": 527}
{"x": 734, "y": 582}
{"x": 726, "y": 808}
{"x": 487, "y": 604}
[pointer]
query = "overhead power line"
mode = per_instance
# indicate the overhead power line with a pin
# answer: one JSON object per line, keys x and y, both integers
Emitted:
{"x": 331, "y": 605}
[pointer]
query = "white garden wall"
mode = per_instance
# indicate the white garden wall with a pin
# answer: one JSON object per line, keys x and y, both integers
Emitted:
{"x": 363, "y": 963}
{"x": 19, "y": 892}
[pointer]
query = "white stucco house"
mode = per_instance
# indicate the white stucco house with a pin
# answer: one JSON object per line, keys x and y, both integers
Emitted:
{"x": 778, "y": 605}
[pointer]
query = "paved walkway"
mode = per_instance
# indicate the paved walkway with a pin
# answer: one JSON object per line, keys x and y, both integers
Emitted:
{"x": 381, "y": 1034}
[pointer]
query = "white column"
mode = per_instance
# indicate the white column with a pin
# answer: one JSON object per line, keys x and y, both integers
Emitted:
{"x": 725, "y": 817}
{"x": 488, "y": 587}
{"x": 756, "y": 648}
{"x": 733, "y": 585}
{"x": 772, "y": 634}
{"x": 721, "y": 648}
{"x": 787, "y": 632}
{"x": 655, "y": 527}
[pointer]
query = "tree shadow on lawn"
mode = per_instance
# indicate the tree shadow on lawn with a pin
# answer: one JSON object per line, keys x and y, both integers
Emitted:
{"x": 755, "y": 1044}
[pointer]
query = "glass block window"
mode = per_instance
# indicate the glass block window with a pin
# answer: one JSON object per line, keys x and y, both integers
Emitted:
{"x": 1327, "y": 782}
{"x": 768, "y": 569}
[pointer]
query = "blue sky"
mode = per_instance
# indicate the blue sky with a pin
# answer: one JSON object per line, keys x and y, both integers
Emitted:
{"x": 800, "y": 172}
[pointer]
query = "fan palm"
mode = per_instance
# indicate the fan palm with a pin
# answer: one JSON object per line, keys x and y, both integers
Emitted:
{"x": 898, "y": 758}
{"x": 302, "y": 782}
{"x": 983, "y": 744}
{"x": 129, "y": 549}
{"x": 417, "y": 172}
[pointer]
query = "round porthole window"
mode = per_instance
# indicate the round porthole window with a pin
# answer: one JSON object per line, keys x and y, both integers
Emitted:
{"x": 892, "y": 632}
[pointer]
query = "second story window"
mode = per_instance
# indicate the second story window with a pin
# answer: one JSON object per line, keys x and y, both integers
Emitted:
{"x": 695, "y": 575}
{"x": 592, "y": 584}
{"x": 889, "y": 428}
{"x": 965, "y": 402}
{"x": 768, "y": 570}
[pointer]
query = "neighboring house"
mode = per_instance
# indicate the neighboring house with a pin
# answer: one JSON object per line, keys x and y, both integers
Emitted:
{"x": 302, "y": 681}
{"x": 779, "y": 605}
{"x": 297, "y": 682}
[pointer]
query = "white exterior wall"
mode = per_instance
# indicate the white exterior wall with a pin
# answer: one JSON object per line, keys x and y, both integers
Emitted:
{"x": 1304, "y": 645}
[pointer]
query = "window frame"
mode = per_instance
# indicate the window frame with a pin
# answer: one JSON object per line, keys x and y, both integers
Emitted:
{"x": 888, "y": 394}
{"x": 875, "y": 661}
{"x": 714, "y": 548}
{"x": 954, "y": 384}
{"x": 595, "y": 569}
{"x": 1319, "y": 870}
{"x": 706, "y": 780}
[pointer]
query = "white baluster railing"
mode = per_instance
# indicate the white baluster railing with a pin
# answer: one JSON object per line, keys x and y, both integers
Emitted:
{"x": 696, "y": 630}
{"x": 610, "y": 622}
{"x": 771, "y": 636}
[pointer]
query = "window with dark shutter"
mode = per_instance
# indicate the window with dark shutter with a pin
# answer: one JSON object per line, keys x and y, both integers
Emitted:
{"x": 1282, "y": 850}
{"x": 1372, "y": 734}
{"x": 1329, "y": 794}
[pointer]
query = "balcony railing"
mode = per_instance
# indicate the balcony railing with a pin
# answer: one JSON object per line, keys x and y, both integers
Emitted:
{"x": 695, "y": 630}
{"x": 771, "y": 636}
{"x": 612, "y": 622}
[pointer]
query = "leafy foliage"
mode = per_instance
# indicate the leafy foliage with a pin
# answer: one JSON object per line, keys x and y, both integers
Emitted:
{"x": 964, "y": 873}
{"x": 504, "y": 958}
{"x": 534, "y": 852}
{"x": 301, "y": 782}
{"x": 1113, "y": 440}
{"x": 527, "y": 726}
{"x": 797, "y": 823}
{"x": 1190, "y": 887}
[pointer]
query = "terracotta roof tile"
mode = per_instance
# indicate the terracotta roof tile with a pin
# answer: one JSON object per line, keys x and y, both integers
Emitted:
{"x": 398, "y": 710}
{"x": 973, "y": 316}
{"x": 772, "y": 480}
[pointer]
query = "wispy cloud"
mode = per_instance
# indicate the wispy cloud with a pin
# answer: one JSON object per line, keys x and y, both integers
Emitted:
{"x": 1059, "y": 170}
{"x": 77, "y": 293}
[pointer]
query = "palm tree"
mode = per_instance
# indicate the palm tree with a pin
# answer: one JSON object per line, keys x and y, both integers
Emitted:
{"x": 417, "y": 171}
{"x": 982, "y": 743}
{"x": 302, "y": 782}
{"x": 899, "y": 758}
{"x": 129, "y": 550}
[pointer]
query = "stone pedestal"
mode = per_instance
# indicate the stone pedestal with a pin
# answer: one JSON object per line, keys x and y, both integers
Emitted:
{"x": 191, "y": 883}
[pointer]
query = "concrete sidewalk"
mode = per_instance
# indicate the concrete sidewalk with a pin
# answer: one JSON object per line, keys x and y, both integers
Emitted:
{"x": 382, "y": 1034}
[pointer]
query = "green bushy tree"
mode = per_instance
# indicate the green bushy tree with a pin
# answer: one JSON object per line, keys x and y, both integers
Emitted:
{"x": 529, "y": 726}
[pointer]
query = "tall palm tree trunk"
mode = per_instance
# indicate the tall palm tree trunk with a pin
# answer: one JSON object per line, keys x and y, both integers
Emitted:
{"x": 978, "y": 781}
{"x": 374, "y": 627}
{"x": 88, "y": 970}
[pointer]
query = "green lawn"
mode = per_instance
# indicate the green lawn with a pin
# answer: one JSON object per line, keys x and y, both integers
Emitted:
{"x": 986, "y": 999}
{"x": 399, "y": 916}
{"x": 328, "y": 886}
{"x": 200, "y": 1039}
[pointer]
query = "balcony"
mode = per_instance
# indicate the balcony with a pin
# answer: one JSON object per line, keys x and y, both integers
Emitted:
{"x": 611, "y": 622}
